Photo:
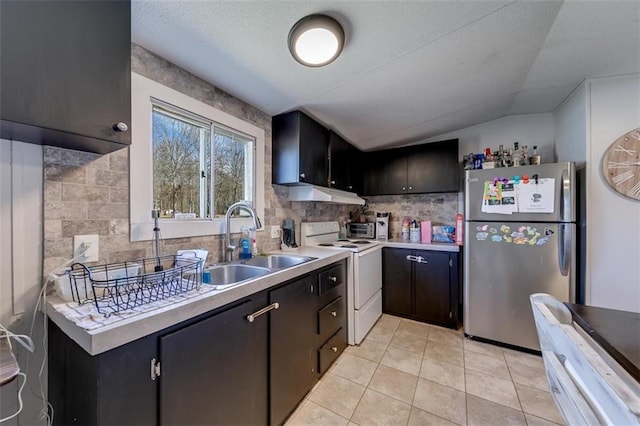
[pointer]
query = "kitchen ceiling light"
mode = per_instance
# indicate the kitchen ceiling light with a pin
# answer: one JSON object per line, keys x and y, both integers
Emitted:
{"x": 316, "y": 40}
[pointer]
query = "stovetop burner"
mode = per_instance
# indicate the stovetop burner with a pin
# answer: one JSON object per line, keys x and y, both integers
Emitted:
{"x": 327, "y": 235}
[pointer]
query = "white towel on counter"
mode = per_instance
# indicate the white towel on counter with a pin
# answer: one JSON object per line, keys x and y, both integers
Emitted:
{"x": 86, "y": 315}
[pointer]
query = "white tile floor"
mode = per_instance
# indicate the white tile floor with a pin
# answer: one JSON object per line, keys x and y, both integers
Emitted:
{"x": 410, "y": 373}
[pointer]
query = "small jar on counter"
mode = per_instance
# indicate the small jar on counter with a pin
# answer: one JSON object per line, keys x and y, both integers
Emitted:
{"x": 405, "y": 229}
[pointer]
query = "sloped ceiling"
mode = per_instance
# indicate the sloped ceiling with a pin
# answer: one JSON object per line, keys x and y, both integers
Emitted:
{"x": 410, "y": 70}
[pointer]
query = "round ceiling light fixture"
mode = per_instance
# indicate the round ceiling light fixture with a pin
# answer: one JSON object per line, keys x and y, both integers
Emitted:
{"x": 316, "y": 40}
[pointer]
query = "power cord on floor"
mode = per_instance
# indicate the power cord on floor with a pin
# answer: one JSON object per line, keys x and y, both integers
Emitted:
{"x": 24, "y": 382}
{"x": 25, "y": 341}
{"x": 47, "y": 411}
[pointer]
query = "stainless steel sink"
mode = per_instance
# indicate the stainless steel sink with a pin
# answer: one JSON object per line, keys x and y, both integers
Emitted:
{"x": 224, "y": 276}
{"x": 278, "y": 261}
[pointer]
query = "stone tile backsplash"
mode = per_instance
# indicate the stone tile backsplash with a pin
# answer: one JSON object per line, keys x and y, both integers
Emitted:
{"x": 87, "y": 193}
{"x": 440, "y": 209}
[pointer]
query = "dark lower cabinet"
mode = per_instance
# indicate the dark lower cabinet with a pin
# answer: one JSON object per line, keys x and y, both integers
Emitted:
{"x": 432, "y": 287}
{"x": 397, "y": 288}
{"x": 307, "y": 334}
{"x": 225, "y": 367}
{"x": 112, "y": 388}
{"x": 422, "y": 285}
{"x": 215, "y": 371}
{"x": 293, "y": 358}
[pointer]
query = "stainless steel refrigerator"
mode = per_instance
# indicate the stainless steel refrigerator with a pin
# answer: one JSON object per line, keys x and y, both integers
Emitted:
{"x": 520, "y": 234}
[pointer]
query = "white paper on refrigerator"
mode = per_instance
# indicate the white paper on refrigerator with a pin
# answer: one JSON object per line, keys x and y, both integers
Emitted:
{"x": 536, "y": 197}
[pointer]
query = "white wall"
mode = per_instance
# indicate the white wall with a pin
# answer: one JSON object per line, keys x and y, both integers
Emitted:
{"x": 528, "y": 129}
{"x": 570, "y": 128}
{"x": 613, "y": 231}
{"x": 21, "y": 237}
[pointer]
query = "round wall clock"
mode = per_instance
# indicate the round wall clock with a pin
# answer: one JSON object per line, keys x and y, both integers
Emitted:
{"x": 621, "y": 165}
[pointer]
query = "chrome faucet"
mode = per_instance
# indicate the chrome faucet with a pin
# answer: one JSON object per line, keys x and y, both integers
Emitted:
{"x": 256, "y": 224}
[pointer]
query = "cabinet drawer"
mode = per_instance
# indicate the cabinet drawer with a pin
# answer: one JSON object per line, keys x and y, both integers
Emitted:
{"x": 331, "y": 278}
{"x": 331, "y": 350}
{"x": 331, "y": 318}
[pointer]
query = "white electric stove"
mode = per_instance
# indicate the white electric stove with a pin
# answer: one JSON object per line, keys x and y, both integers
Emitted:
{"x": 364, "y": 272}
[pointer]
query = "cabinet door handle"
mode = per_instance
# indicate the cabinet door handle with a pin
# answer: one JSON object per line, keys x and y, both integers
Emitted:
{"x": 417, "y": 259}
{"x": 334, "y": 314}
{"x": 334, "y": 348}
{"x": 120, "y": 127}
{"x": 404, "y": 188}
{"x": 333, "y": 182}
{"x": 334, "y": 279}
{"x": 302, "y": 176}
{"x": 410, "y": 188}
{"x": 252, "y": 317}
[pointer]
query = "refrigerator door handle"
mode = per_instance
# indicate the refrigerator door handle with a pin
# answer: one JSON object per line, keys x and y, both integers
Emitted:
{"x": 564, "y": 249}
{"x": 565, "y": 194}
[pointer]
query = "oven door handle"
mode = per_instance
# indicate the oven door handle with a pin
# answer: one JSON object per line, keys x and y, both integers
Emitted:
{"x": 369, "y": 251}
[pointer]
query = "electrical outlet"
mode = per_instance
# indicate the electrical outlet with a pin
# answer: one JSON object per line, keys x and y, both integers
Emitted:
{"x": 86, "y": 245}
{"x": 276, "y": 230}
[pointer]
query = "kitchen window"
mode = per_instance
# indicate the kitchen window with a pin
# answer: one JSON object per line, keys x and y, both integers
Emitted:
{"x": 191, "y": 161}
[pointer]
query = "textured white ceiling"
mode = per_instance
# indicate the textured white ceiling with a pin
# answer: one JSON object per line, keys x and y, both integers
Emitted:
{"x": 410, "y": 69}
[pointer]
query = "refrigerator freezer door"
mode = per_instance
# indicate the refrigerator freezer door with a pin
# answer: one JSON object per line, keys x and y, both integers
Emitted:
{"x": 504, "y": 264}
{"x": 564, "y": 198}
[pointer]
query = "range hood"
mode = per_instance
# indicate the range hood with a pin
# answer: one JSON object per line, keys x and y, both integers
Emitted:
{"x": 306, "y": 192}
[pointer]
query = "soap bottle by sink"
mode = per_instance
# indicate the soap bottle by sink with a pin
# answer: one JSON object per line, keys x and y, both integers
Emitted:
{"x": 245, "y": 244}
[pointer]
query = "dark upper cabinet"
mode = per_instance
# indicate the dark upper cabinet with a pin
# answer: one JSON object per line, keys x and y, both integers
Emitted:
{"x": 385, "y": 172}
{"x": 431, "y": 167}
{"x": 300, "y": 150}
{"x": 66, "y": 73}
{"x": 345, "y": 164}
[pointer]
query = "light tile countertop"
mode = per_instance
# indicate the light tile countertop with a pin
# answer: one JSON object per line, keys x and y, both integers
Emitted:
{"x": 104, "y": 338}
{"x": 118, "y": 333}
{"x": 450, "y": 247}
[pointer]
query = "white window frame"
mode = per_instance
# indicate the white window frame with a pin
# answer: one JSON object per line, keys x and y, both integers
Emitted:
{"x": 143, "y": 90}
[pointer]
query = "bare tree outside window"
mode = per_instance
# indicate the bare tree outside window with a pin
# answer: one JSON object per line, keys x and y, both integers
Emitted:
{"x": 182, "y": 168}
{"x": 230, "y": 169}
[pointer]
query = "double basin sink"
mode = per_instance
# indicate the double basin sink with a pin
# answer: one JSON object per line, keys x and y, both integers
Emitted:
{"x": 231, "y": 274}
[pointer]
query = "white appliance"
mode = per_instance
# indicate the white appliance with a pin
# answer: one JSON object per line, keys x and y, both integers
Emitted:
{"x": 382, "y": 225}
{"x": 364, "y": 275}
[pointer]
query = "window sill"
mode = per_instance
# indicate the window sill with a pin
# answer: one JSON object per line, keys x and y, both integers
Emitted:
{"x": 188, "y": 228}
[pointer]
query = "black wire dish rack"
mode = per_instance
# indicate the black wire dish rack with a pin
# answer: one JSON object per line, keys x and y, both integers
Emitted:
{"x": 118, "y": 287}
